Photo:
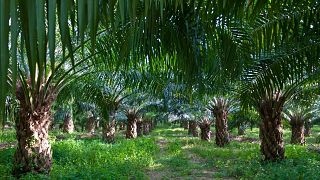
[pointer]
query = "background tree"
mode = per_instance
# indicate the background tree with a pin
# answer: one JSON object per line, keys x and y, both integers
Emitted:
{"x": 220, "y": 108}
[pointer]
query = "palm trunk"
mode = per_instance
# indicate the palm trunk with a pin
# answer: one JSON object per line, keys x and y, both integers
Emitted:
{"x": 146, "y": 127}
{"x": 297, "y": 134}
{"x": 68, "y": 126}
{"x": 271, "y": 132}
{"x": 185, "y": 124}
{"x": 122, "y": 126}
{"x": 139, "y": 128}
{"x": 90, "y": 126}
{"x": 109, "y": 129}
{"x": 307, "y": 130}
{"x": 205, "y": 130}
{"x": 240, "y": 130}
{"x": 154, "y": 124}
{"x": 131, "y": 127}
{"x": 193, "y": 129}
{"x": 221, "y": 127}
{"x": 33, "y": 153}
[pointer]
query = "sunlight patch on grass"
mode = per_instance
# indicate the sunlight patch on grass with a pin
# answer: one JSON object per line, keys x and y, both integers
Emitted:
{"x": 188, "y": 146}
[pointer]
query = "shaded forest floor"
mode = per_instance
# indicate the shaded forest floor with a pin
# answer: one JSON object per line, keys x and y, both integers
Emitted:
{"x": 168, "y": 153}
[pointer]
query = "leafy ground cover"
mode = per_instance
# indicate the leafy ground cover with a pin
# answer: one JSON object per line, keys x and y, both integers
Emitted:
{"x": 169, "y": 153}
{"x": 91, "y": 158}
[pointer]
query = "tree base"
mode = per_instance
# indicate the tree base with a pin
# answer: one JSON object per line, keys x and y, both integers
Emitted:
{"x": 108, "y": 132}
{"x": 205, "y": 133}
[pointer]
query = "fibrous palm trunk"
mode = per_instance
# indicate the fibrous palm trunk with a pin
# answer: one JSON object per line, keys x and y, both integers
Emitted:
{"x": 33, "y": 152}
{"x": 307, "y": 130}
{"x": 90, "y": 126}
{"x": 122, "y": 126}
{"x": 109, "y": 131}
{"x": 68, "y": 126}
{"x": 140, "y": 128}
{"x": 205, "y": 133}
{"x": 131, "y": 126}
{"x": 193, "y": 129}
{"x": 271, "y": 132}
{"x": 146, "y": 127}
{"x": 221, "y": 126}
{"x": 297, "y": 134}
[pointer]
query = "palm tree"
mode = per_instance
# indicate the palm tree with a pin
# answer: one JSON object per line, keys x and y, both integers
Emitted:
{"x": 220, "y": 108}
{"x": 279, "y": 68}
{"x": 193, "y": 128}
{"x": 107, "y": 91}
{"x": 132, "y": 116}
{"x": 66, "y": 116}
{"x": 86, "y": 112}
{"x": 91, "y": 123}
{"x": 140, "y": 127}
{"x": 36, "y": 97}
{"x": 204, "y": 125}
{"x": 138, "y": 108}
{"x": 11, "y": 110}
{"x": 242, "y": 119}
{"x": 297, "y": 116}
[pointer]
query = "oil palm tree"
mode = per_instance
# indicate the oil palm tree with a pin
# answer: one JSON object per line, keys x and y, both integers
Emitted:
{"x": 279, "y": 68}
{"x": 243, "y": 119}
{"x": 107, "y": 91}
{"x": 138, "y": 107}
{"x": 297, "y": 117}
{"x": 66, "y": 116}
{"x": 205, "y": 133}
{"x": 220, "y": 108}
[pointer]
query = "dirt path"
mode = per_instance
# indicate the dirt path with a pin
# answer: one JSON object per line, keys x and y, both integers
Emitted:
{"x": 176, "y": 160}
{"x": 197, "y": 169}
{"x": 152, "y": 173}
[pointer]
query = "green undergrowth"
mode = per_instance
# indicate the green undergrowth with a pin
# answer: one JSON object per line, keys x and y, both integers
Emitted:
{"x": 8, "y": 135}
{"x": 239, "y": 160}
{"x": 169, "y": 153}
{"x": 92, "y": 159}
{"x": 243, "y": 160}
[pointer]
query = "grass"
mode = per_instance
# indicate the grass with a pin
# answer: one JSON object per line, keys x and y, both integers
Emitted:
{"x": 238, "y": 160}
{"x": 7, "y": 136}
{"x": 92, "y": 159}
{"x": 168, "y": 153}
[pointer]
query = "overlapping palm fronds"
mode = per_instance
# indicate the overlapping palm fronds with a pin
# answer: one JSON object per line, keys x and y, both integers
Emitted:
{"x": 286, "y": 51}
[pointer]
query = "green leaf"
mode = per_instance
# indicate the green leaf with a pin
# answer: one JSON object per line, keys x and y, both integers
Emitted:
{"x": 14, "y": 36}
{"x": 65, "y": 31}
{"x": 31, "y": 41}
{"x": 122, "y": 10}
{"x": 4, "y": 52}
{"x": 146, "y": 7}
{"x": 52, "y": 31}
{"x": 161, "y": 8}
{"x": 134, "y": 8}
{"x": 93, "y": 10}
{"x": 41, "y": 35}
{"x": 82, "y": 22}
